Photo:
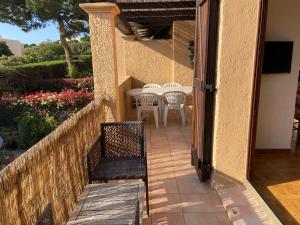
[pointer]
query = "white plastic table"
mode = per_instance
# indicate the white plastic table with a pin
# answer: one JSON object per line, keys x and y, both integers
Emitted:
{"x": 159, "y": 91}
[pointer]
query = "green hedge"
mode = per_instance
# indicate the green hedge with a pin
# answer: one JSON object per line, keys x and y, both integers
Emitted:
{"x": 47, "y": 70}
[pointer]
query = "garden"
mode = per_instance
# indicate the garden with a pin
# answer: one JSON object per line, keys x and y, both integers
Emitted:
{"x": 37, "y": 93}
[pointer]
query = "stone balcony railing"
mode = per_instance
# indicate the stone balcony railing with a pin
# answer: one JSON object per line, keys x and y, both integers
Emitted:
{"x": 46, "y": 181}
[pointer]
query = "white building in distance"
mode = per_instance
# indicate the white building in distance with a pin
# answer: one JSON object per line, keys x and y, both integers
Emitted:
{"x": 16, "y": 47}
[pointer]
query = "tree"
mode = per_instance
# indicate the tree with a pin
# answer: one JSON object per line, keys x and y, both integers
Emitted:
{"x": 34, "y": 14}
{"x": 4, "y": 49}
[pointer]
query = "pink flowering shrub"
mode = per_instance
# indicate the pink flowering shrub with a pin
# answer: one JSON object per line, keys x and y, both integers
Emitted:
{"x": 68, "y": 99}
{"x": 9, "y": 97}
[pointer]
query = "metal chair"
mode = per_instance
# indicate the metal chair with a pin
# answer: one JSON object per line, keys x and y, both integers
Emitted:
{"x": 171, "y": 85}
{"x": 151, "y": 86}
{"x": 122, "y": 154}
{"x": 174, "y": 100}
{"x": 148, "y": 102}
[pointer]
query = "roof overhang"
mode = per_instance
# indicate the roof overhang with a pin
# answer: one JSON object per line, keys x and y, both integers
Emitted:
{"x": 150, "y": 19}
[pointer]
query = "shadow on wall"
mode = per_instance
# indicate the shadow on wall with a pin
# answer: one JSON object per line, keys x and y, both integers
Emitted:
{"x": 178, "y": 48}
{"x": 162, "y": 61}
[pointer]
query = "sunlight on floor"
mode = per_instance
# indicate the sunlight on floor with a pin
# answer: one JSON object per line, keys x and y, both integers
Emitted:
{"x": 176, "y": 195}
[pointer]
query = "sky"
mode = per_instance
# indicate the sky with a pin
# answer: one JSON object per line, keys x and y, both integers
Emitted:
{"x": 36, "y": 36}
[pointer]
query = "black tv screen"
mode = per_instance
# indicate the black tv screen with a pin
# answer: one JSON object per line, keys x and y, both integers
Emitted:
{"x": 278, "y": 56}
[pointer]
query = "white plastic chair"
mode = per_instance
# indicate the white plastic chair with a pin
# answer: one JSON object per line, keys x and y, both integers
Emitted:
{"x": 174, "y": 100}
{"x": 171, "y": 85}
{"x": 151, "y": 86}
{"x": 148, "y": 102}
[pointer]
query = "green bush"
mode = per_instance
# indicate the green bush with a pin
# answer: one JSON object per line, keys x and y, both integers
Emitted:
{"x": 11, "y": 137}
{"x": 46, "y": 51}
{"x": 81, "y": 48}
{"x": 33, "y": 127}
{"x": 4, "y": 49}
{"x": 48, "y": 69}
{"x": 8, "y": 114}
{"x": 16, "y": 60}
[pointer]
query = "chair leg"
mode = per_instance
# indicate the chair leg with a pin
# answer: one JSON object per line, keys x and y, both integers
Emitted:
{"x": 139, "y": 112}
{"x": 162, "y": 106}
{"x": 147, "y": 194}
{"x": 166, "y": 115}
{"x": 298, "y": 134}
{"x": 156, "y": 116}
{"x": 182, "y": 112}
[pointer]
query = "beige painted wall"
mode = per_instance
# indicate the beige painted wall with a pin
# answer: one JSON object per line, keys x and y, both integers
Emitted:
{"x": 149, "y": 61}
{"x": 278, "y": 91}
{"x": 235, "y": 69}
{"x": 183, "y": 33}
{"x": 120, "y": 46}
{"x": 126, "y": 110}
{"x": 157, "y": 61}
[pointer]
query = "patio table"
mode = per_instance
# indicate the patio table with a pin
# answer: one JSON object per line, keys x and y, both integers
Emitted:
{"x": 160, "y": 91}
{"x": 110, "y": 204}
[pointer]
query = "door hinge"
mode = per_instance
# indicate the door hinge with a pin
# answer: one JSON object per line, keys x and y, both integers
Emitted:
{"x": 210, "y": 87}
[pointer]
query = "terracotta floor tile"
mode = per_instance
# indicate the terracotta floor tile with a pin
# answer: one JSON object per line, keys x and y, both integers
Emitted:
{"x": 174, "y": 186}
{"x": 163, "y": 186}
{"x": 206, "y": 219}
{"x": 161, "y": 174}
{"x": 168, "y": 219}
{"x": 165, "y": 203}
{"x": 159, "y": 150}
{"x": 160, "y": 164}
{"x": 208, "y": 202}
{"x": 147, "y": 221}
{"x": 191, "y": 185}
{"x": 159, "y": 155}
{"x": 183, "y": 172}
{"x": 181, "y": 145}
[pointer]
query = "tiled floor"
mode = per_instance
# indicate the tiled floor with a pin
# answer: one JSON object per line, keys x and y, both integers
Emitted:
{"x": 176, "y": 195}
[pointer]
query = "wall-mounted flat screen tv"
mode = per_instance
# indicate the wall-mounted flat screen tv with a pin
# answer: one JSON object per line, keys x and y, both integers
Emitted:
{"x": 278, "y": 56}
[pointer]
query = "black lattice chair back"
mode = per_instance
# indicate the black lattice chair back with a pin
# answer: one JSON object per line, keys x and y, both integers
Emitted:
{"x": 122, "y": 140}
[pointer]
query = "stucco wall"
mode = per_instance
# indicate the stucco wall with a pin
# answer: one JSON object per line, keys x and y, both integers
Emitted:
{"x": 157, "y": 61}
{"x": 235, "y": 69}
{"x": 149, "y": 61}
{"x": 278, "y": 91}
{"x": 103, "y": 44}
{"x": 126, "y": 110}
{"x": 120, "y": 46}
{"x": 183, "y": 33}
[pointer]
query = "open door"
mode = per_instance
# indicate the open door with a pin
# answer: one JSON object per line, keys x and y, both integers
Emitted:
{"x": 204, "y": 85}
{"x": 256, "y": 83}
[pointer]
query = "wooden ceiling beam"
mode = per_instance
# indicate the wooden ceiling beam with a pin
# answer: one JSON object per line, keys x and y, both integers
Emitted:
{"x": 190, "y": 12}
{"x": 123, "y": 25}
{"x": 159, "y": 19}
{"x": 156, "y": 5}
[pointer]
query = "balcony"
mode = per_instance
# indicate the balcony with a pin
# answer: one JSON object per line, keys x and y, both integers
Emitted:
{"x": 48, "y": 179}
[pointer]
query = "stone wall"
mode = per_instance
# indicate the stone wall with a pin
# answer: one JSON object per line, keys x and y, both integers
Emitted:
{"x": 48, "y": 179}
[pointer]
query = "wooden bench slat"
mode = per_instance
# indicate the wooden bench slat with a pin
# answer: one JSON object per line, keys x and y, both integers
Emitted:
{"x": 109, "y": 203}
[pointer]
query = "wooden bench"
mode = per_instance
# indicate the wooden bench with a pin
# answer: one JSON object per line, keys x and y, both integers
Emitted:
{"x": 110, "y": 204}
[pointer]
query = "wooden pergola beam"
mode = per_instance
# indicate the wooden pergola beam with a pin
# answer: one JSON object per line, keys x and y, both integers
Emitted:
{"x": 156, "y": 5}
{"x": 189, "y": 12}
{"x": 159, "y": 19}
{"x": 123, "y": 25}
